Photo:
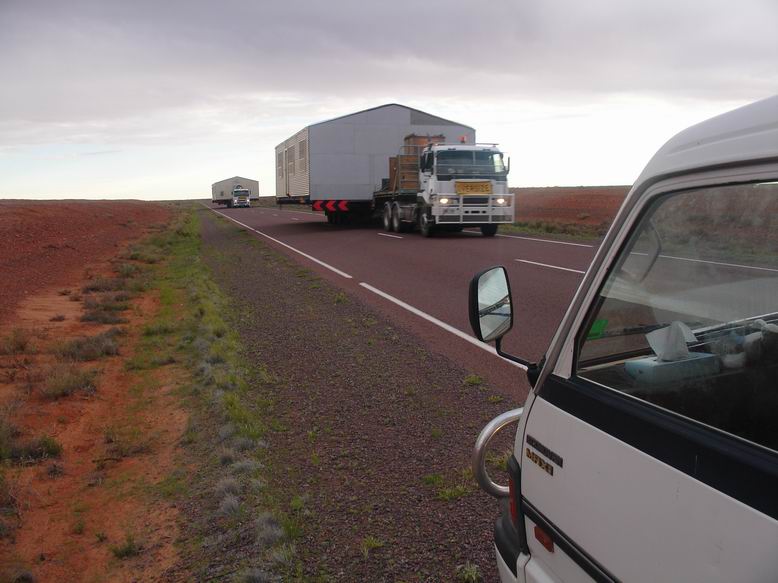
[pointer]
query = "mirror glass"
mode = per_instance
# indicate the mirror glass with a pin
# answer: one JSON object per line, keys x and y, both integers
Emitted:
{"x": 494, "y": 304}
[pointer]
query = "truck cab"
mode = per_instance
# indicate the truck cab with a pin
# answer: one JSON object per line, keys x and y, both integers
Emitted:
{"x": 647, "y": 448}
{"x": 241, "y": 197}
{"x": 447, "y": 187}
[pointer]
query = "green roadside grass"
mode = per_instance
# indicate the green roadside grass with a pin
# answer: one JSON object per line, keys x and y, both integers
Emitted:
{"x": 229, "y": 419}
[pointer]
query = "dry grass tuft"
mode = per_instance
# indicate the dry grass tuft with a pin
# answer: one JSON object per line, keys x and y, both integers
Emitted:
{"x": 66, "y": 379}
{"x": 91, "y": 347}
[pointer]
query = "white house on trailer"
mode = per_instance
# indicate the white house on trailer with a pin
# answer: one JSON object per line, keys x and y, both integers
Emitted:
{"x": 346, "y": 158}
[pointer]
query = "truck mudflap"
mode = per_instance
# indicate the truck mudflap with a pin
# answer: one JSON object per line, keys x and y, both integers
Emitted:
{"x": 506, "y": 540}
{"x": 465, "y": 210}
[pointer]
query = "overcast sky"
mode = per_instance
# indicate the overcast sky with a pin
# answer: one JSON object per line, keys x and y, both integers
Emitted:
{"x": 137, "y": 99}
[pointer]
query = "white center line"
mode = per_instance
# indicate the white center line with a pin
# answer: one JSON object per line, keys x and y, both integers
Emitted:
{"x": 551, "y": 266}
{"x": 545, "y": 240}
{"x": 275, "y": 215}
{"x": 322, "y": 263}
{"x": 388, "y": 235}
{"x": 433, "y": 320}
{"x": 295, "y": 219}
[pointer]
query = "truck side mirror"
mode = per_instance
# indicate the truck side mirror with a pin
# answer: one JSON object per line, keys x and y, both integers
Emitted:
{"x": 490, "y": 305}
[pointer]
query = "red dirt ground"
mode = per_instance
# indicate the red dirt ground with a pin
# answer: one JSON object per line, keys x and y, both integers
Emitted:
{"x": 583, "y": 205}
{"x": 44, "y": 244}
{"x": 66, "y": 524}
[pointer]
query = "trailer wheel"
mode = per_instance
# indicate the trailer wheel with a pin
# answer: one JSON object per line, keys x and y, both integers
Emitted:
{"x": 330, "y": 218}
{"x": 386, "y": 217}
{"x": 426, "y": 228}
{"x": 397, "y": 224}
{"x": 488, "y": 230}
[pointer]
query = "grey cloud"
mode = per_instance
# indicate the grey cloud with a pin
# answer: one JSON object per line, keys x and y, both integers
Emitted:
{"x": 103, "y": 65}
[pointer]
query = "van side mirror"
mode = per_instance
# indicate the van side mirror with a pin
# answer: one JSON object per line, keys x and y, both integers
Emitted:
{"x": 490, "y": 305}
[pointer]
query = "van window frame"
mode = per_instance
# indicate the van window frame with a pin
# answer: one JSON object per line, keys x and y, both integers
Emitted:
{"x": 744, "y": 470}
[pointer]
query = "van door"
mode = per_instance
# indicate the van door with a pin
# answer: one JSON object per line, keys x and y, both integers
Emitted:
{"x": 655, "y": 456}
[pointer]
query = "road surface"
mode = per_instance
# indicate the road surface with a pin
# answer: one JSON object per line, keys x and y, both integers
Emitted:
{"x": 422, "y": 284}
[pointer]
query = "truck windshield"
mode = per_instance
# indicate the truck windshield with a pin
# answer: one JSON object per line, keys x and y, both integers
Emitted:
{"x": 470, "y": 164}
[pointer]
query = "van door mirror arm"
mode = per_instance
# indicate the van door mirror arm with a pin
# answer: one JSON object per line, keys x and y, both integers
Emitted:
{"x": 533, "y": 368}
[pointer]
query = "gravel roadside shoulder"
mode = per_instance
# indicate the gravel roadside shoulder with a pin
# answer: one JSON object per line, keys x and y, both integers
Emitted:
{"x": 369, "y": 434}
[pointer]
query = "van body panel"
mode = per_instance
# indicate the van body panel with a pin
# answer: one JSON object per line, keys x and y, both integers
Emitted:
{"x": 645, "y": 520}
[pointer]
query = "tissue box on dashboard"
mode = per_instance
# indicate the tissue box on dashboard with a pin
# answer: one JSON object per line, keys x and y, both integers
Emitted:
{"x": 652, "y": 371}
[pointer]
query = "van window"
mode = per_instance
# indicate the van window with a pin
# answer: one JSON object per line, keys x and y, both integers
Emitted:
{"x": 688, "y": 318}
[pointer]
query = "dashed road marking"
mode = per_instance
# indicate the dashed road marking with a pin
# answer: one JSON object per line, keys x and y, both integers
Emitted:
{"x": 545, "y": 241}
{"x": 550, "y": 266}
{"x": 388, "y": 235}
{"x": 439, "y": 323}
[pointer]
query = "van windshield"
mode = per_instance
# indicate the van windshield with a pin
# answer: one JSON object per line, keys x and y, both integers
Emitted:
{"x": 688, "y": 319}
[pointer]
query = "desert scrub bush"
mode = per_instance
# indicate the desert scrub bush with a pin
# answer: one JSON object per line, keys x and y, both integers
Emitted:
{"x": 57, "y": 318}
{"x": 473, "y": 380}
{"x": 255, "y": 575}
{"x": 128, "y": 548}
{"x": 127, "y": 270}
{"x": 126, "y": 441}
{"x": 18, "y": 341}
{"x": 43, "y": 447}
{"x": 159, "y": 329}
{"x": 65, "y": 379}
{"x": 102, "y": 284}
{"x": 227, "y": 486}
{"x": 469, "y": 573}
{"x": 229, "y": 506}
{"x": 370, "y": 543}
{"x": 91, "y": 347}
{"x": 267, "y": 530}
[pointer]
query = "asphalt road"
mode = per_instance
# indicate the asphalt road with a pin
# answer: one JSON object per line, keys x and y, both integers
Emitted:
{"x": 422, "y": 284}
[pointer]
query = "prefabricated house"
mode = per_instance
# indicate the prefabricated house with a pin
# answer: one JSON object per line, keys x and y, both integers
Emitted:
{"x": 347, "y": 158}
{"x": 221, "y": 192}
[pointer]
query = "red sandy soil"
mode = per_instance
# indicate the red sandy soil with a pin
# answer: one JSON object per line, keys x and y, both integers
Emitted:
{"x": 45, "y": 244}
{"x": 67, "y": 521}
{"x": 583, "y": 205}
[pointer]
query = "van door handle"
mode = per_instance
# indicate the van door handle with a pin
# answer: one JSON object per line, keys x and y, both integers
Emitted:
{"x": 479, "y": 452}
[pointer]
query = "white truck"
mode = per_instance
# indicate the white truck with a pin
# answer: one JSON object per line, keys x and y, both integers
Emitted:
{"x": 408, "y": 167}
{"x": 235, "y": 192}
{"x": 435, "y": 186}
{"x": 647, "y": 449}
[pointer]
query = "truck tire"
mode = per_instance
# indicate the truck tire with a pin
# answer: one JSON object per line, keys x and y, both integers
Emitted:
{"x": 386, "y": 217}
{"x": 426, "y": 227}
{"x": 488, "y": 230}
{"x": 229, "y": 204}
{"x": 397, "y": 224}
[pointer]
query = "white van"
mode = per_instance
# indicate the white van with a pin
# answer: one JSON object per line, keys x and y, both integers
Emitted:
{"x": 647, "y": 449}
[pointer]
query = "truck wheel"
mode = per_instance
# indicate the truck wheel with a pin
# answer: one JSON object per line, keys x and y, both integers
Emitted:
{"x": 488, "y": 230}
{"x": 426, "y": 227}
{"x": 330, "y": 218}
{"x": 397, "y": 224}
{"x": 229, "y": 204}
{"x": 386, "y": 217}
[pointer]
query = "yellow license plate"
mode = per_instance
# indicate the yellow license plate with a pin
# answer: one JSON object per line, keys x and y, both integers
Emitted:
{"x": 474, "y": 187}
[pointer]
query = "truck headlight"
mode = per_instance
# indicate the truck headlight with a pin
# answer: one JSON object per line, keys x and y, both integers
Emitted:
{"x": 443, "y": 200}
{"x": 500, "y": 201}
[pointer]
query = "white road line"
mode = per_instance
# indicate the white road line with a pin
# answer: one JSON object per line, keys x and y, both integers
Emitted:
{"x": 388, "y": 235}
{"x": 433, "y": 320}
{"x": 551, "y": 266}
{"x": 295, "y": 219}
{"x": 718, "y": 263}
{"x": 320, "y": 262}
{"x": 545, "y": 241}
{"x": 275, "y": 215}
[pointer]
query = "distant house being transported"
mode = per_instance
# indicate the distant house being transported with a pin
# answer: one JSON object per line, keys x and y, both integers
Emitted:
{"x": 347, "y": 157}
{"x": 235, "y": 191}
